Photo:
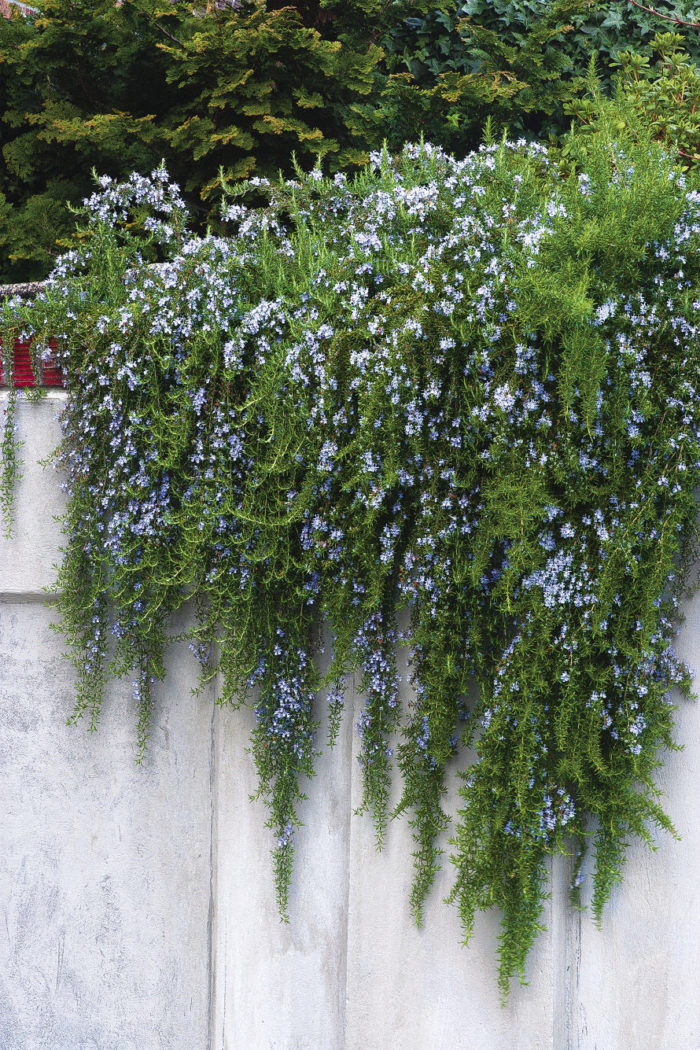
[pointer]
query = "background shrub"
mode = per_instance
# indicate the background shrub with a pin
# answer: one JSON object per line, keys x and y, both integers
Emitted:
{"x": 242, "y": 84}
{"x": 662, "y": 95}
{"x": 116, "y": 87}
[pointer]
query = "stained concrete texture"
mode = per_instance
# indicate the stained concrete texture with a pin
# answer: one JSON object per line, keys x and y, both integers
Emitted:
{"x": 104, "y": 865}
{"x": 138, "y": 904}
{"x": 27, "y": 558}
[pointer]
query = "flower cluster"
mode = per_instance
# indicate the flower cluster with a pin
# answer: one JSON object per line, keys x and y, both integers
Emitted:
{"x": 413, "y": 409}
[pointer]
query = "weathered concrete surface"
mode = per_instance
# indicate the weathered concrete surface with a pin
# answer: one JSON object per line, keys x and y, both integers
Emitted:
{"x": 27, "y": 558}
{"x": 351, "y": 971}
{"x": 421, "y": 988}
{"x": 279, "y": 986}
{"x": 637, "y": 985}
{"x": 104, "y": 865}
{"x": 138, "y": 905}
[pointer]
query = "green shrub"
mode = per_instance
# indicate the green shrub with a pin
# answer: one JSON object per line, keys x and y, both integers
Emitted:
{"x": 540, "y": 51}
{"x": 81, "y": 87}
{"x": 663, "y": 97}
{"x": 463, "y": 391}
{"x": 242, "y": 85}
{"x": 258, "y": 86}
{"x": 479, "y": 61}
{"x": 117, "y": 87}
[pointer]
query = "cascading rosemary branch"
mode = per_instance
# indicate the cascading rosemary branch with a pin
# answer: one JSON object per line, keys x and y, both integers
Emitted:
{"x": 460, "y": 391}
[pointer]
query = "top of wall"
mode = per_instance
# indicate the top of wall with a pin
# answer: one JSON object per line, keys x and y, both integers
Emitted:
{"x": 25, "y": 291}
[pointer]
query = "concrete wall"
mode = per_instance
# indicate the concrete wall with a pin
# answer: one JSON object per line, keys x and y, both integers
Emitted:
{"x": 105, "y": 866}
{"x": 138, "y": 910}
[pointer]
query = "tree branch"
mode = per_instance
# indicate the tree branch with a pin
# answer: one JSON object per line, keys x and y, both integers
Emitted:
{"x": 667, "y": 18}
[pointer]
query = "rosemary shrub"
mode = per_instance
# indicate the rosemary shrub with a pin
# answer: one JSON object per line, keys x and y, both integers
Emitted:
{"x": 465, "y": 390}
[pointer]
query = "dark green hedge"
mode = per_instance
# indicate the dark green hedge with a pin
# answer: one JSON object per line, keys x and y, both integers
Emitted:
{"x": 242, "y": 84}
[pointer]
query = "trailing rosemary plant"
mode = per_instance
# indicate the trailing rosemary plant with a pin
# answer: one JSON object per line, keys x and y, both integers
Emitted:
{"x": 9, "y": 470}
{"x": 463, "y": 392}
{"x": 9, "y": 445}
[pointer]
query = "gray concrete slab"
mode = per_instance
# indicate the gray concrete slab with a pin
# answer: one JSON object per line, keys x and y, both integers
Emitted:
{"x": 422, "y": 989}
{"x": 279, "y": 986}
{"x": 28, "y": 557}
{"x": 104, "y": 864}
{"x": 636, "y": 985}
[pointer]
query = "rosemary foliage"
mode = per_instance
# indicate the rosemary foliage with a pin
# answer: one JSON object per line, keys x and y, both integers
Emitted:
{"x": 456, "y": 395}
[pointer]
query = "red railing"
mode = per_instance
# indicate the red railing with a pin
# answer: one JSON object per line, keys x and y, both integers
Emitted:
{"x": 23, "y": 374}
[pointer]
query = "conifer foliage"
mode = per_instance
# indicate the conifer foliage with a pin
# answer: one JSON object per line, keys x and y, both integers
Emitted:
{"x": 239, "y": 85}
{"x": 456, "y": 395}
{"x": 117, "y": 87}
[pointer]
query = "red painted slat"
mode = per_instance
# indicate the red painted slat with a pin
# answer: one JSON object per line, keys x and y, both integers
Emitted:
{"x": 23, "y": 375}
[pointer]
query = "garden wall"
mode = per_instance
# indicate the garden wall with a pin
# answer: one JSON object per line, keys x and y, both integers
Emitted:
{"x": 138, "y": 906}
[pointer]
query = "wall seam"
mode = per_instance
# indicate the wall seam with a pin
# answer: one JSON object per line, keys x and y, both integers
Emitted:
{"x": 28, "y": 597}
{"x": 211, "y": 917}
{"x": 566, "y": 959}
{"x": 343, "y": 1041}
